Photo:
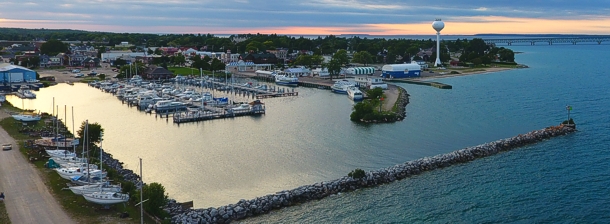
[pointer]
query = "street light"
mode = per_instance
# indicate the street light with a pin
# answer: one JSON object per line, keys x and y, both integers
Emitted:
{"x": 380, "y": 99}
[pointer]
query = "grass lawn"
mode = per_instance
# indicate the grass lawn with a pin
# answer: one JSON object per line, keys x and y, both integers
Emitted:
{"x": 75, "y": 205}
{"x": 3, "y": 214}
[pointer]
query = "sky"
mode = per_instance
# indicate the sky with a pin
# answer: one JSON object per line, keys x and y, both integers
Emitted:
{"x": 311, "y": 17}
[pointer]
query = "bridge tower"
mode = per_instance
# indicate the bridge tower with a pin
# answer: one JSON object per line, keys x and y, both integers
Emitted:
{"x": 438, "y": 25}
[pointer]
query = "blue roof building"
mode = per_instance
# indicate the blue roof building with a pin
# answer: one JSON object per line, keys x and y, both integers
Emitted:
{"x": 15, "y": 74}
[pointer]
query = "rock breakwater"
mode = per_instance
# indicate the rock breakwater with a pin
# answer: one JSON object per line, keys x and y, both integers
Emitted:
{"x": 264, "y": 204}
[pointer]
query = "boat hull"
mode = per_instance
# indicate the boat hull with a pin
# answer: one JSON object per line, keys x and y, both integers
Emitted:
{"x": 287, "y": 83}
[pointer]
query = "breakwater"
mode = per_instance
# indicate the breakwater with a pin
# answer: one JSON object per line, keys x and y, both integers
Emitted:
{"x": 424, "y": 83}
{"x": 264, "y": 204}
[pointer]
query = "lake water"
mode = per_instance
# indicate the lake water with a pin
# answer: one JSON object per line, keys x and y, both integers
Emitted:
{"x": 309, "y": 138}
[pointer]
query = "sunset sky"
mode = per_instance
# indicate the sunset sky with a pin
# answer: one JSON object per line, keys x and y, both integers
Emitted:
{"x": 375, "y": 17}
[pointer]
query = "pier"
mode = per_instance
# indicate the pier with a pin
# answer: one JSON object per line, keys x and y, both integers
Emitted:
{"x": 551, "y": 40}
{"x": 261, "y": 205}
{"x": 419, "y": 82}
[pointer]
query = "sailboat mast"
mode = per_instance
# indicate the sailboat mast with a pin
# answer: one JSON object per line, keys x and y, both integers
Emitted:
{"x": 141, "y": 187}
{"x": 57, "y": 128}
{"x": 73, "y": 132}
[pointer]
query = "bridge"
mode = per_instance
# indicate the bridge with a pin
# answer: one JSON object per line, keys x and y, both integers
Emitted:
{"x": 551, "y": 40}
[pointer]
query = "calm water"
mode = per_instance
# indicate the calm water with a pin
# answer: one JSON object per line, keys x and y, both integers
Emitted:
{"x": 309, "y": 138}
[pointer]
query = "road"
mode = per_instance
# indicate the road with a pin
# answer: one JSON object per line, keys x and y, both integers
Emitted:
{"x": 28, "y": 199}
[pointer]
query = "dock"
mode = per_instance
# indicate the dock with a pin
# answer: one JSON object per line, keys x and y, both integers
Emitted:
{"x": 419, "y": 82}
{"x": 186, "y": 117}
{"x": 272, "y": 95}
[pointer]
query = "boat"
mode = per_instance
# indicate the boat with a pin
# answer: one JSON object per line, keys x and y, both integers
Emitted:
{"x": 97, "y": 187}
{"x": 56, "y": 143}
{"x": 341, "y": 86}
{"x": 69, "y": 173}
{"x": 165, "y": 105}
{"x": 354, "y": 93}
{"x": 106, "y": 198}
{"x": 60, "y": 153}
{"x": 286, "y": 80}
{"x": 24, "y": 92}
{"x": 66, "y": 160}
{"x": 241, "y": 107}
{"x": 69, "y": 83}
{"x": 85, "y": 180}
{"x": 26, "y": 117}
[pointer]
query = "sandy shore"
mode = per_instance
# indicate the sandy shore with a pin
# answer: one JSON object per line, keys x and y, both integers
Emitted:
{"x": 436, "y": 75}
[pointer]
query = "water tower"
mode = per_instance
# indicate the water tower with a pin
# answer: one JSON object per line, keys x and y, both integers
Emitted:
{"x": 438, "y": 25}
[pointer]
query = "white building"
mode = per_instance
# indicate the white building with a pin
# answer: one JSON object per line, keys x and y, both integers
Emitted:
{"x": 112, "y": 56}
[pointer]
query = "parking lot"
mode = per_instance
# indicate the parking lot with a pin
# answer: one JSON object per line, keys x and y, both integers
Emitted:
{"x": 64, "y": 75}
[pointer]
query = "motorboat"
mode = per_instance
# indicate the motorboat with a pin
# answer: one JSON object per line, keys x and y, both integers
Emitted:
{"x": 341, "y": 86}
{"x": 25, "y": 93}
{"x": 97, "y": 187}
{"x": 354, "y": 93}
{"x": 241, "y": 107}
{"x": 286, "y": 80}
{"x": 166, "y": 105}
{"x": 106, "y": 198}
{"x": 26, "y": 117}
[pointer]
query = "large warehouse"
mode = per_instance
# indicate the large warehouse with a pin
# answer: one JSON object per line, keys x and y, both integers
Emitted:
{"x": 15, "y": 73}
{"x": 401, "y": 71}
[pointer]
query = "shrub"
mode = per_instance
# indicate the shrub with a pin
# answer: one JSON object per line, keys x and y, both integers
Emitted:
{"x": 455, "y": 72}
{"x": 357, "y": 174}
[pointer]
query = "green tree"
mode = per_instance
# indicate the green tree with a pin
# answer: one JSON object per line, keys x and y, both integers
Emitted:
{"x": 155, "y": 193}
{"x": 269, "y": 45}
{"x": 217, "y": 65}
{"x": 100, "y": 50}
{"x": 334, "y": 67}
{"x": 93, "y": 133}
{"x": 179, "y": 60}
{"x": 53, "y": 47}
{"x": 119, "y": 62}
{"x": 363, "y": 57}
{"x": 150, "y": 51}
{"x": 101, "y": 76}
{"x": 158, "y": 51}
{"x": 304, "y": 60}
{"x": 341, "y": 57}
{"x": 506, "y": 55}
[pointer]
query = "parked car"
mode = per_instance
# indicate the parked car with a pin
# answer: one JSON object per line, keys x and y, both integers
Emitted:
{"x": 76, "y": 71}
{"x": 79, "y": 75}
{"x": 7, "y": 147}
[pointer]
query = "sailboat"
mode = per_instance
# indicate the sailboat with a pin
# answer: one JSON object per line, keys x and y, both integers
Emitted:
{"x": 106, "y": 198}
{"x": 101, "y": 187}
{"x": 26, "y": 117}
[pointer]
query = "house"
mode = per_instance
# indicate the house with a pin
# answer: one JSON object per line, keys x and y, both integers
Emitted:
{"x": 90, "y": 62}
{"x": 55, "y": 61}
{"x": 280, "y": 53}
{"x": 265, "y": 58}
{"x": 154, "y": 72}
{"x": 76, "y": 59}
{"x": 44, "y": 61}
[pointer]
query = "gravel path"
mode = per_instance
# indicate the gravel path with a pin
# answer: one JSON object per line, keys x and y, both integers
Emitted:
{"x": 27, "y": 197}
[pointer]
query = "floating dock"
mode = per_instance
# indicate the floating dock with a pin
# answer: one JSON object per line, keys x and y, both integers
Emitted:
{"x": 202, "y": 116}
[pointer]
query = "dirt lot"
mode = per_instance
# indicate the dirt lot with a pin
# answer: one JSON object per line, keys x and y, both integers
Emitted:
{"x": 63, "y": 75}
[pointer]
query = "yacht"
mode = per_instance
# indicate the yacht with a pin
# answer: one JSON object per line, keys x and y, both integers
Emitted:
{"x": 355, "y": 94}
{"x": 286, "y": 81}
{"x": 166, "y": 105}
{"x": 241, "y": 107}
{"x": 341, "y": 86}
{"x": 26, "y": 93}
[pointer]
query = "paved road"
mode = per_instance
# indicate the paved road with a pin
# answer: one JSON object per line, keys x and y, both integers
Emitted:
{"x": 27, "y": 198}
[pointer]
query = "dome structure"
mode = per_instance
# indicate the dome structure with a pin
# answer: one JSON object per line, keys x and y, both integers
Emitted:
{"x": 438, "y": 25}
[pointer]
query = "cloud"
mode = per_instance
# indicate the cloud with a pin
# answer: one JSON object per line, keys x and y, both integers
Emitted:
{"x": 325, "y": 16}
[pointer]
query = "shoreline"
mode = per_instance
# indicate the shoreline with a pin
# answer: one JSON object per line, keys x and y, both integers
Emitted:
{"x": 486, "y": 71}
{"x": 262, "y": 205}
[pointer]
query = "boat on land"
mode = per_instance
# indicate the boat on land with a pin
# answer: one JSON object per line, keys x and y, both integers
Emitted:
{"x": 106, "y": 198}
{"x": 286, "y": 80}
{"x": 26, "y": 117}
{"x": 355, "y": 94}
{"x": 96, "y": 187}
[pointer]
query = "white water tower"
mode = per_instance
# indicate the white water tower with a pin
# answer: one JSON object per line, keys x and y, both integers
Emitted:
{"x": 438, "y": 25}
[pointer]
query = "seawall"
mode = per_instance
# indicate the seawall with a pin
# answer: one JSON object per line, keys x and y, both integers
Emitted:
{"x": 264, "y": 204}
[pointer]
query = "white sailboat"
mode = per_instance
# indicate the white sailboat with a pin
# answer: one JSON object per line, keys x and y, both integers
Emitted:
{"x": 97, "y": 187}
{"x": 106, "y": 198}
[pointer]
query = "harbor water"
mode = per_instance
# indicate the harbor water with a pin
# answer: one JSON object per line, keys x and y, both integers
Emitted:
{"x": 309, "y": 138}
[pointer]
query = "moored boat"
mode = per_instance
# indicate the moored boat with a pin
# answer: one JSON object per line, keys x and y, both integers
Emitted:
{"x": 286, "y": 81}
{"x": 354, "y": 93}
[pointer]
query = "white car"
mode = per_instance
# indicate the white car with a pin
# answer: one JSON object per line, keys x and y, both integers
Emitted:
{"x": 79, "y": 75}
{"x": 76, "y": 71}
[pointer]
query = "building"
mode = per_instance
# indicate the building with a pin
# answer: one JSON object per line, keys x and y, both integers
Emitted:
{"x": 15, "y": 73}
{"x": 91, "y": 62}
{"x": 154, "y": 72}
{"x": 360, "y": 71}
{"x": 280, "y": 53}
{"x": 112, "y": 56}
{"x": 124, "y": 45}
{"x": 401, "y": 71}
